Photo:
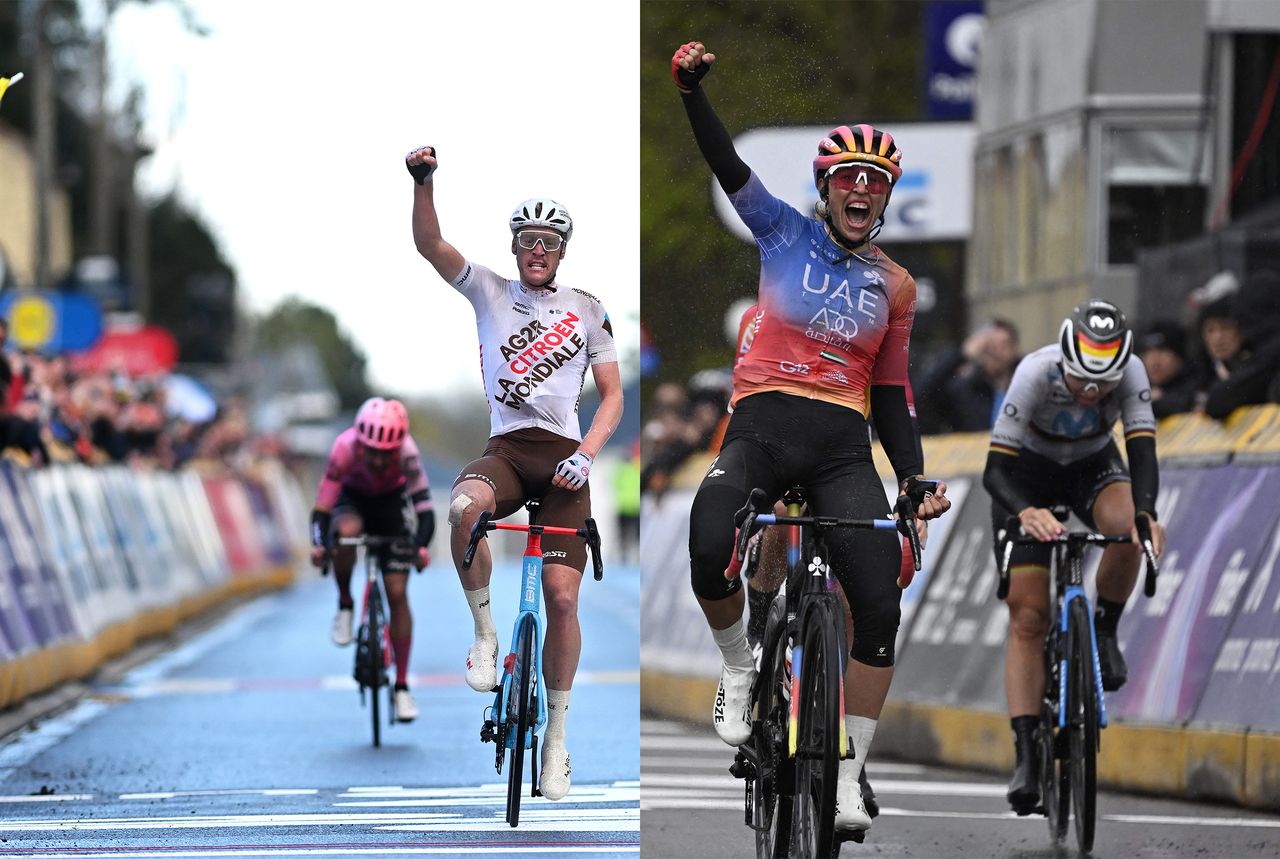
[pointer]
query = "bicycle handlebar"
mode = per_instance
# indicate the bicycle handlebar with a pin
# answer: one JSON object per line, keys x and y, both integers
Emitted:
{"x": 589, "y": 533}
{"x": 1006, "y": 539}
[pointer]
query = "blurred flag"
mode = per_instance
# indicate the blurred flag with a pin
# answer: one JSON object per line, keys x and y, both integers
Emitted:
{"x": 649, "y": 358}
{"x": 5, "y": 83}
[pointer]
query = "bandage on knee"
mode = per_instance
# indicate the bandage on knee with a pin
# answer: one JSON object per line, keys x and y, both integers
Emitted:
{"x": 459, "y": 506}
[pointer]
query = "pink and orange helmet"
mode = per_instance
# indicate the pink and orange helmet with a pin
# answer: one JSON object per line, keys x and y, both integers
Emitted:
{"x": 857, "y": 144}
{"x": 382, "y": 424}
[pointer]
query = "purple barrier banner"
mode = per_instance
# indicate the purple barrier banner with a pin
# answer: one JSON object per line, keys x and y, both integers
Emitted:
{"x": 954, "y": 651}
{"x": 54, "y": 599}
{"x": 1244, "y": 683}
{"x": 23, "y": 621}
{"x": 1171, "y": 641}
{"x": 277, "y": 551}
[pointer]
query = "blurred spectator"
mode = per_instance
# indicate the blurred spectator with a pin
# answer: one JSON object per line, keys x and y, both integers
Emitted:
{"x": 683, "y": 423}
{"x": 1241, "y": 336}
{"x": 626, "y": 496}
{"x": 964, "y": 390}
{"x": 1162, "y": 348}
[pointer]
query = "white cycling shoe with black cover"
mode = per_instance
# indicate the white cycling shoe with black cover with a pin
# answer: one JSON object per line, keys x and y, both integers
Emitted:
{"x": 851, "y": 811}
{"x": 732, "y": 711}
{"x": 340, "y": 633}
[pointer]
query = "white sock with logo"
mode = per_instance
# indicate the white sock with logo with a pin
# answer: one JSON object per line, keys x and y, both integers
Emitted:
{"x": 734, "y": 648}
{"x": 557, "y": 709}
{"x": 860, "y": 730}
{"x": 478, "y": 600}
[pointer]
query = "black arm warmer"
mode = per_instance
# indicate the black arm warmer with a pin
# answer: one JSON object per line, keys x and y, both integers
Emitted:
{"x": 998, "y": 480}
{"x": 320, "y": 520}
{"x": 714, "y": 141}
{"x": 1144, "y": 471}
{"x": 898, "y": 435}
{"x": 426, "y": 527}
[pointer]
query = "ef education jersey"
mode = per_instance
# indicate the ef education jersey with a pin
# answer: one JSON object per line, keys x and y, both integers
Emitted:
{"x": 1039, "y": 413}
{"x": 347, "y": 469}
{"x": 535, "y": 348}
{"x": 829, "y": 324}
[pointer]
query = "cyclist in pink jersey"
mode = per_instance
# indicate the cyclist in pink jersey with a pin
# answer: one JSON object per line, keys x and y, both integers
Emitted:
{"x": 829, "y": 349}
{"x": 374, "y": 483}
{"x": 537, "y": 341}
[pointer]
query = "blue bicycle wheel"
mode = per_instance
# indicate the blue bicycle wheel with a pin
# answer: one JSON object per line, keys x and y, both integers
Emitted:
{"x": 521, "y": 712}
{"x": 1082, "y": 723}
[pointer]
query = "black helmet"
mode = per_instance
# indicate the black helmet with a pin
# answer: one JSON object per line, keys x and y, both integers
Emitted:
{"x": 1096, "y": 342}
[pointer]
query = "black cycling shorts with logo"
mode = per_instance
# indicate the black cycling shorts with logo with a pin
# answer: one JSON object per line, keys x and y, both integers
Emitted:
{"x": 389, "y": 515}
{"x": 1046, "y": 483}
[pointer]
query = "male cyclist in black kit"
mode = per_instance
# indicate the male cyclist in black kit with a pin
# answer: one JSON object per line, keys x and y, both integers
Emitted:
{"x": 830, "y": 345}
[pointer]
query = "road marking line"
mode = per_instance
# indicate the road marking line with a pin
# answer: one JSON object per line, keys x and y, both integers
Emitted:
{"x": 874, "y": 770}
{"x": 47, "y": 797}
{"x": 301, "y": 791}
{"x": 914, "y": 788}
{"x": 1195, "y": 821}
{"x": 360, "y": 849}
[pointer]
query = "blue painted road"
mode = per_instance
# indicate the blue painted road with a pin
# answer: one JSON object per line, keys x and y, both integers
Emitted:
{"x": 249, "y": 739}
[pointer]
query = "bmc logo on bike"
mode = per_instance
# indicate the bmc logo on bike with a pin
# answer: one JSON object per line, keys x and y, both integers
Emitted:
{"x": 530, "y": 586}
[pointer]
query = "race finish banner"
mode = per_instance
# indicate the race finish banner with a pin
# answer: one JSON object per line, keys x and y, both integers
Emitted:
{"x": 1244, "y": 684}
{"x": 955, "y": 647}
{"x": 1171, "y": 641}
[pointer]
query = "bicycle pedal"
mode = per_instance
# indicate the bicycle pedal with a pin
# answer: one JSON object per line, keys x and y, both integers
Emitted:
{"x": 857, "y": 836}
{"x": 742, "y": 767}
{"x": 488, "y": 732}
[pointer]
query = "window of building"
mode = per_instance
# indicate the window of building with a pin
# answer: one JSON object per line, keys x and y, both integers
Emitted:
{"x": 1156, "y": 193}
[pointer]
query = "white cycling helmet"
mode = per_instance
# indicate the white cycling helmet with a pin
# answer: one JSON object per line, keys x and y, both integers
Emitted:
{"x": 542, "y": 212}
{"x": 1095, "y": 342}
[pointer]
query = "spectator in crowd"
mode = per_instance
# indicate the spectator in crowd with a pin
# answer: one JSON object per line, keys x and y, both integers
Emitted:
{"x": 1162, "y": 348}
{"x": 674, "y": 433}
{"x": 964, "y": 390}
{"x": 626, "y": 495}
{"x": 1242, "y": 338}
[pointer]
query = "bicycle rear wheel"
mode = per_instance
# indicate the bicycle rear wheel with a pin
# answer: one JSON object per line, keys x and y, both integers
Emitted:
{"x": 817, "y": 751}
{"x": 520, "y": 714}
{"x": 772, "y": 791}
{"x": 1082, "y": 722}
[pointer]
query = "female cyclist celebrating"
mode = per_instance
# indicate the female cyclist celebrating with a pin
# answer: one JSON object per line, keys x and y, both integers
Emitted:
{"x": 830, "y": 346}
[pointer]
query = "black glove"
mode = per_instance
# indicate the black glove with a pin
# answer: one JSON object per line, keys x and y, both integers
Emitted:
{"x": 686, "y": 80}
{"x": 421, "y": 172}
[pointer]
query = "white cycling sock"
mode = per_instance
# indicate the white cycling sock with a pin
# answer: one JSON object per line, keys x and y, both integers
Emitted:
{"x": 478, "y": 600}
{"x": 734, "y": 648}
{"x": 557, "y": 709}
{"x": 860, "y": 730}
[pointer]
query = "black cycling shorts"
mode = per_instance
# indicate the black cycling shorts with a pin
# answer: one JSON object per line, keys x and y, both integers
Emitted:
{"x": 775, "y": 441}
{"x": 389, "y": 515}
{"x": 1046, "y": 483}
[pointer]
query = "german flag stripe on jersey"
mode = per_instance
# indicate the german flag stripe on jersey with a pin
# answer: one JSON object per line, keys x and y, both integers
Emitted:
{"x": 1005, "y": 449}
{"x": 1139, "y": 433}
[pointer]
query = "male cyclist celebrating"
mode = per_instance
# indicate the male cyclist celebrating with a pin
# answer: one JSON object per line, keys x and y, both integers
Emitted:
{"x": 830, "y": 345}
{"x": 537, "y": 340}
{"x": 373, "y": 475}
{"x": 1052, "y": 445}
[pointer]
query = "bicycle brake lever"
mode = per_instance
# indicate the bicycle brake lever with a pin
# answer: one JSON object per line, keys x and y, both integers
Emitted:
{"x": 1144, "y": 534}
{"x": 478, "y": 531}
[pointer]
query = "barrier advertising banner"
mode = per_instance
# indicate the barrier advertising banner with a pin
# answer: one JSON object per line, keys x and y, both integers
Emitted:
{"x": 955, "y": 647}
{"x": 1244, "y": 682}
{"x": 1170, "y": 641}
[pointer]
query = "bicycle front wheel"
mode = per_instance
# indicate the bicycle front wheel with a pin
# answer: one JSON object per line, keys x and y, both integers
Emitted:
{"x": 1082, "y": 722}
{"x": 817, "y": 750}
{"x": 520, "y": 713}
{"x": 1055, "y": 779}
{"x": 772, "y": 792}
{"x": 373, "y": 667}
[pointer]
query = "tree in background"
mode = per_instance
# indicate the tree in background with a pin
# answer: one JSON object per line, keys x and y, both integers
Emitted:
{"x": 799, "y": 63}
{"x": 297, "y": 321}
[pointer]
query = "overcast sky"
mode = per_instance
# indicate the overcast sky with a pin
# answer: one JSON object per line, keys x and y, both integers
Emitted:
{"x": 287, "y": 128}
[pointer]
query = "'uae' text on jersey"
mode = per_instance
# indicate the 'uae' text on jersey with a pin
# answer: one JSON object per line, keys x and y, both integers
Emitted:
{"x": 829, "y": 323}
{"x": 535, "y": 348}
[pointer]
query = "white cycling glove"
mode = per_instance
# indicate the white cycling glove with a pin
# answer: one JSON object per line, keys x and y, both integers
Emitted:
{"x": 575, "y": 469}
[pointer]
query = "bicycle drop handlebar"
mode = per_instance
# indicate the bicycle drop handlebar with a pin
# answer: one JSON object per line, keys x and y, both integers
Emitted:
{"x": 589, "y": 533}
{"x": 749, "y": 520}
{"x": 1012, "y": 535}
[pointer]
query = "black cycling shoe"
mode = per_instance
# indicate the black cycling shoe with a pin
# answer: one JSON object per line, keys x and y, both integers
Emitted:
{"x": 1024, "y": 789}
{"x": 1111, "y": 660}
{"x": 868, "y": 796}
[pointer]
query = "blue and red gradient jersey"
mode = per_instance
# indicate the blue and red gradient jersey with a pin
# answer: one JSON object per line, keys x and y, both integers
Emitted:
{"x": 828, "y": 324}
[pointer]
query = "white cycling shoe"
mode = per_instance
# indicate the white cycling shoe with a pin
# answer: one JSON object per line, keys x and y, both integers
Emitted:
{"x": 732, "y": 712}
{"x": 341, "y": 631}
{"x": 554, "y": 779}
{"x": 406, "y": 707}
{"x": 482, "y": 663}
{"x": 851, "y": 812}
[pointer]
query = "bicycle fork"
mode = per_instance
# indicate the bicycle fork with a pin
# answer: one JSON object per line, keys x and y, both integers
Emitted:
{"x": 1075, "y": 592}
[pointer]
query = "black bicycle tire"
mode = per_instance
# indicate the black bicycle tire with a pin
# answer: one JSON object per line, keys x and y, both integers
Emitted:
{"x": 374, "y": 668}
{"x": 1055, "y": 793}
{"x": 518, "y": 713}
{"x": 771, "y": 814}
{"x": 817, "y": 754}
{"x": 1083, "y": 719}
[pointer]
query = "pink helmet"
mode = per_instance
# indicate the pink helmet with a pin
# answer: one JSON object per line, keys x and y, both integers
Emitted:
{"x": 382, "y": 424}
{"x": 857, "y": 144}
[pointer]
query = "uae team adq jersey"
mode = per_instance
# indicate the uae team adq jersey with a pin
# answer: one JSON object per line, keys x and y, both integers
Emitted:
{"x": 535, "y": 348}
{"x": 829, "y": 324}
{"x": 1040, "y": 414}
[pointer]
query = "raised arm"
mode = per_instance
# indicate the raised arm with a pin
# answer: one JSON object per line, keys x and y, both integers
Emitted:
{"x": 446, "y": 259}
{"x": 689, "y": 65}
